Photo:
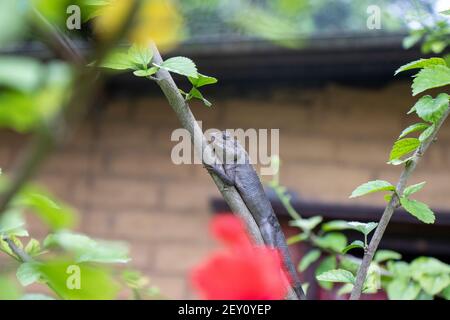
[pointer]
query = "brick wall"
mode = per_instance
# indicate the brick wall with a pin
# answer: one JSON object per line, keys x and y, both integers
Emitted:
{"x": 116, "y": 170}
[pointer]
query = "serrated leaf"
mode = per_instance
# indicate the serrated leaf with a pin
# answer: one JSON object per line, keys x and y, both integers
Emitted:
{"x": 180, "y": 65}
{"x": 140, "y": 55}
{"x": 413, "y": 189}
{"x": 353, "y": 245}
{"x": 364, "y": 228}
{"x": 308, "y": 259}
{"x": 86, "y": 249}
{"x": 413, "y": 128}
{"x": 28, "y": 273}
{"x": 385, "y": 255}
{"x": 326, "y": 264}
{"x": 430, "y": 109}
{"x": 306, "y": 224}
{"x": 146, "y": 73}
{"x": 371, "y": 187}
{"x": 337, "y": 275}
{"x": 335, "y": 225}
{"x": 403, "y": 147}
{"x": 431, "y": 77}
{"x": 418, "y": 209}
{"x": 202, "y": 80}
{"x": 421, "y": 63}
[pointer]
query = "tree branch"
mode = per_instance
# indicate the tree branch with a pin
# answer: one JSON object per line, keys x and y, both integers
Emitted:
{"x": 389, "y": 211}
{"x": 22, "y": 255}
{"x": 188, "y": 121}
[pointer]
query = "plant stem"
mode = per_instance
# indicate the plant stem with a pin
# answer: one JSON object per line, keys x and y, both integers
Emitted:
{"x": 188, "y": 121}
{"x": 389, "y": 210}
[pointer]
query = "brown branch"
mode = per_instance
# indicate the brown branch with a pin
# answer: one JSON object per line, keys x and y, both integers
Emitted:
{"x": 389, "y": 211}
{"x": 188, "y": 121}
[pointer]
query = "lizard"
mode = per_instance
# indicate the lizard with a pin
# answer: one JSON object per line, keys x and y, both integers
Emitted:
{"x": 236, "y": 170}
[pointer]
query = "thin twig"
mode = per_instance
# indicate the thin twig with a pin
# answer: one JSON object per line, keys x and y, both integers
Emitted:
{"x": 22, "y": 255}
{"x": 188, "y": 121}
{"x": 389, "y": 211}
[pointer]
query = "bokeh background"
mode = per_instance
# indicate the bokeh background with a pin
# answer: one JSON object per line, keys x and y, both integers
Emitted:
{"x": 312, "y": 69}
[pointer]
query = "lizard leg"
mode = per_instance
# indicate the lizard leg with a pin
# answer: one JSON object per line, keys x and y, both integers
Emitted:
{"x": 220, "y": 172}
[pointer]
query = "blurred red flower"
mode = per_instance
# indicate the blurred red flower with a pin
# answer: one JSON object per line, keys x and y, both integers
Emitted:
{"x": 241, "y": 270}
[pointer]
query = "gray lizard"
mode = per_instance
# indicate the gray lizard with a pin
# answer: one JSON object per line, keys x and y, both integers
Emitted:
{"x": 236, "y": 170}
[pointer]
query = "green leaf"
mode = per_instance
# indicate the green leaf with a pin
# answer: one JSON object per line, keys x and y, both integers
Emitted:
{"x": 427, "y": 133}
{"x": 306, "y": 224}
{"x": 180, "y": 65}
{"x": 195, "y": 93}
{"x": 335, "y": 225}
{"x": 8, "y": 289}
{"x": 12, "y": 223}
{"x": 372, "y": 186}
{"x": 428, "y": 265}
{"x": 87, "y": 249}
{"x": 431, "y": 77}
{"x": 433, "y": 284}
{"x": 399, "y": 269}
{"x": 33, "y": 247}
{"x": 413, "y": 189}
{"x": 140, "y": 55}
{"x": 202, "y": 80}
{"x": 95, "y": 283}
{"x": 413, "y": 128}
{"x": 308, "y": 259}
{"x": 364, "y": 228}
{"x": 446, "y": 293}
{"x": 385, "y": 255}
{"x": 326, "y": 264}
{"x": 28, "y": 273}
{"x": 334, "y": 241}
{"x": 146, "y": 73}
{"x": 402, "y": 289}
{"x": 337, "y": 275}
{"x": 56, "y": 216}
{"x": 430, "y": 109}
{"x": 403, "y": 147}
{"x": 20, "y": 73}
{"x": 418, "y": 209}
{"x": 445, "y": 12}
{"x": 297, "y": 238}
{"x": 119, "y": 60}
{"x": 345, "y": 289}
{"x": 421, "y": 63}
{"x": 353, "y": 245}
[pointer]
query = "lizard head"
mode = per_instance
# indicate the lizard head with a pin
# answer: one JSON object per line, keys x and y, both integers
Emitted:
{"x": 227, "y": 148}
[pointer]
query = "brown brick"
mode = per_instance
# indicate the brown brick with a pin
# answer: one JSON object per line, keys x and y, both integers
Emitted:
{"x": 98, "y": 223}
{"x": 323, "y": 182}
{"x": 179, "y": 258}
{"x": 66, "y": 163}
{"x": 144, "y": 163}
{"x": 155, "y": 111}
{"x": 125, "y": 135}
{"x": 363, "y": 153}
{"x": 293, "y": 147}
{"x": 119, "y": 193}
{"x": 142, "y": 255}
{"x": 162, "y": 226}
{"x": 189, "y": 195}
